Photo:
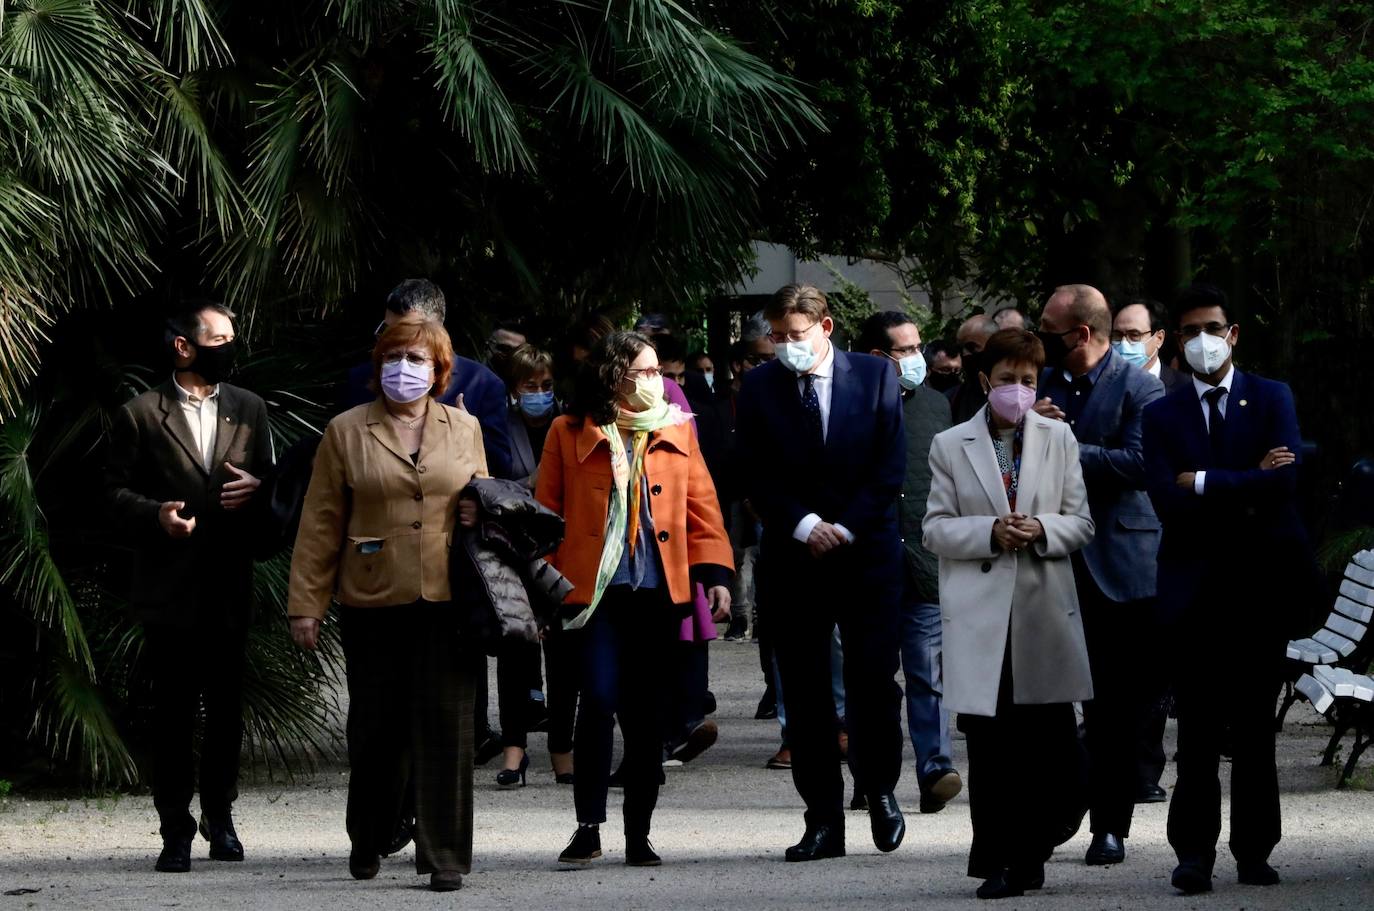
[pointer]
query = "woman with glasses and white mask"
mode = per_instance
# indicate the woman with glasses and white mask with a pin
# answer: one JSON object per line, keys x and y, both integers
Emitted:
{"x": 624, "y": 470}
{"x": 375, "y": 534}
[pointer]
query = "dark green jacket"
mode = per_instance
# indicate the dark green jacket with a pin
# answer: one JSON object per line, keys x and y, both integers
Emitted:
{"x": 925, "y": 413}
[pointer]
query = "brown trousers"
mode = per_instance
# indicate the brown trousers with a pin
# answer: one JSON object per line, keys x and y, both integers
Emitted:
{"x": 410, "y": 697}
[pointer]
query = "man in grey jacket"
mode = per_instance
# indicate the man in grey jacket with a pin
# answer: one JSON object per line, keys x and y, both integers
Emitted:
{"x": 925, "y": 412}
{"x": 1102, "y": 397}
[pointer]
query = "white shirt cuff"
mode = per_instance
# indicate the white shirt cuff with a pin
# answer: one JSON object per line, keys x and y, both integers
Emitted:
{"x": 1199, "y": 481}
{"x": 803, "y": 530}
{"x": 848, "y": 535}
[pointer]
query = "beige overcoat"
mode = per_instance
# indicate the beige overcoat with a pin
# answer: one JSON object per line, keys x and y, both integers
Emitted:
{"x": 991, "y": 599}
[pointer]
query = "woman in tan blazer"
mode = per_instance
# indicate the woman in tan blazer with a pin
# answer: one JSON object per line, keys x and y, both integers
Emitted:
{"x": 1007, "y": 509}
{"x": 375, "y": 533}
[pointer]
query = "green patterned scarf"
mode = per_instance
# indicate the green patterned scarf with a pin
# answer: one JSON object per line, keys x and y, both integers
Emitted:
{"x": 622, "y": 511}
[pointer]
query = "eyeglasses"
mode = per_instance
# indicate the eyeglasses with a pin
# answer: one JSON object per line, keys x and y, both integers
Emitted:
{"x": 905, "y": 351}
{"x": 381, "y": 328}
{"x": 780, "y": 337}
{"x": 753, "y": 360}
{"x": 635, "y": 373}
{"x": 970, "y": 348}
{"x": 1132, "y": 335}
{"x": 410, "y": 357}
{"x": 1220, "y": 330}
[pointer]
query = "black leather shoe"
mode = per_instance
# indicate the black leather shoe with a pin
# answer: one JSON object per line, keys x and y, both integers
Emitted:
{"x": 1000, "y": 886}
{"x": 363, "y": 864}
{"x": 887, "y": 822}
{"x": 224, "y": 841}
{"x": 1105, "y": 849}
{"x": 583, "y": 847}
{"x": 819, "y": 843}
{"x": 1192, "y": 878}
{"x": 1151, "y": 793}
{"x": 176, "y": 855}
{"x": 1256, "y": 874}
{"x": 639, "y": 853}
{"x": 445, "y": 881}
{"x": 858, "y": 801}
{"x": 1028, "y": 878}
{"x": 940, "y": 790}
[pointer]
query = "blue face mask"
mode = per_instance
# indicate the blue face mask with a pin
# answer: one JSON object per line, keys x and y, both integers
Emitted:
{"x": 1133, "y": 352}
{"x": 913, "y": 371}
{"x": 536, "y": 404}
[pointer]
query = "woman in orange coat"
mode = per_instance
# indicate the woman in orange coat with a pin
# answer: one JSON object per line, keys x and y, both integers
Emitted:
{"x": 643, "y": 523}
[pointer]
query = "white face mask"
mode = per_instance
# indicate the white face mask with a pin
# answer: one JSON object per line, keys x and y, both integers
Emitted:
{"x": 1132, "y": 352}
{"x": 797, "y": 356}
{"x": 710, "y": 381}
{"x": 1205, "y": 353}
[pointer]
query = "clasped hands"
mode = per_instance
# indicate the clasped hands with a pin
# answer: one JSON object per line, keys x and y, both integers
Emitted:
{"x": 1016, "y": 531}
{"x": 1278, "y": 457}
{"x": 824, "y": 538}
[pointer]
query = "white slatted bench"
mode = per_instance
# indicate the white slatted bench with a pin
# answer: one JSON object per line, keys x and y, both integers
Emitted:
{"x": 1347, "y": 699}
{"x": 1344, "y": 638}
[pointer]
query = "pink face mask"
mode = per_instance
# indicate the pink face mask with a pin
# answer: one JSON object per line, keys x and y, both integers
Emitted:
{"x": 1011, "y": 402}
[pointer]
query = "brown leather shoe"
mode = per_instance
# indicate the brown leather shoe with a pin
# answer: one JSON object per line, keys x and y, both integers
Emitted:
{"x": 844, "y": 746}
{"x": 782, "y": 759}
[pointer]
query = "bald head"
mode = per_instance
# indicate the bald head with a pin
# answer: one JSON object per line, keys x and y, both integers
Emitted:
{"x": 1080, "y": 305}
{"x": 974, "y": 333}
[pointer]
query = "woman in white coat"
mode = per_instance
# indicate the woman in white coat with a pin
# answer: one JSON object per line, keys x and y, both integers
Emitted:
{"x": 1007, "y": 508}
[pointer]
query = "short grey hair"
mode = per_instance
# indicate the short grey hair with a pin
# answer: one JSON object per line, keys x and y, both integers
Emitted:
{"x": 417, "y": 295}
{"x": 754, "y": 328}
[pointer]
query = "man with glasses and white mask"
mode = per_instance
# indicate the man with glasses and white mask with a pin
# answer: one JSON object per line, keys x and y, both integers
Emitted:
{"x": 925, "y": 412}
{"x": 820, "y": 437}
{"x": 1221, "y": 460}
{"x": 1138, "y": 330}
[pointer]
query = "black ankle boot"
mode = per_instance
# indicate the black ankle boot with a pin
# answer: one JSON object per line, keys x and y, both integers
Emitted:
{"x": 583, "y": 847}
{"x": 639, "y": 853}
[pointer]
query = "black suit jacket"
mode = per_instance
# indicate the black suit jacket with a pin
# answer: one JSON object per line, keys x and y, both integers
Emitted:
{"x": 205, "y": 579}
{"x": 852, "y": 481}
{"x": 1245, "y": 527}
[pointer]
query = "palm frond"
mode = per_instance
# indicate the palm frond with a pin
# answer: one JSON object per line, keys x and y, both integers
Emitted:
{"x": 473, "y": 100}
{"x": 73, "y": 715}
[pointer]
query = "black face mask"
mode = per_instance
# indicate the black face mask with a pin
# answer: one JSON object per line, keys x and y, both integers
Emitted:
{"x": 1055, "y": 348}
{"x": 213, "y": 363}
{"x": 942, "y": 382}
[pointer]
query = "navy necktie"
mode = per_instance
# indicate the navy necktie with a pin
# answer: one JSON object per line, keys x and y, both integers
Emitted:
{"x": 811, "y": 405}
{"x": 1216, "y": 421}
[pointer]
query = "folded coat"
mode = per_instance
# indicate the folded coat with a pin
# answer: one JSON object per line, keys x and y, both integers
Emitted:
{"x": 502, "y": 585}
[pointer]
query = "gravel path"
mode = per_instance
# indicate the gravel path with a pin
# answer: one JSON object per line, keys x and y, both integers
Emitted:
{"x": 721, "y": 827}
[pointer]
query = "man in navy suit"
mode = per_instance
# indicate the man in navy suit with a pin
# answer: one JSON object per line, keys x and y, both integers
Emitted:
{"x": 1221, "y": 467}
{"x": 1091, "y": 386}
{"x": 482, "y": 391}
{"x": 820, "y": 436}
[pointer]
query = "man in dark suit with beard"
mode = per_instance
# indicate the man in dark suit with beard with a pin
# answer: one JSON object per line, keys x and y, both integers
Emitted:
{"x": 1221, "y": 458}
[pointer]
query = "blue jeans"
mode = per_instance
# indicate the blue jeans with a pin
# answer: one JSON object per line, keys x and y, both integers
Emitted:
{"x": 927, "y": 719}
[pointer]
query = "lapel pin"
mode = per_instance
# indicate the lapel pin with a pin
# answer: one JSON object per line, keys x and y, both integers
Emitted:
{"x": 1243, "y": 403}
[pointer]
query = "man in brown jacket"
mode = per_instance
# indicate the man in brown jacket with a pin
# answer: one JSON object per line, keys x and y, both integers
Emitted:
{"x": 184, "y": 462}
